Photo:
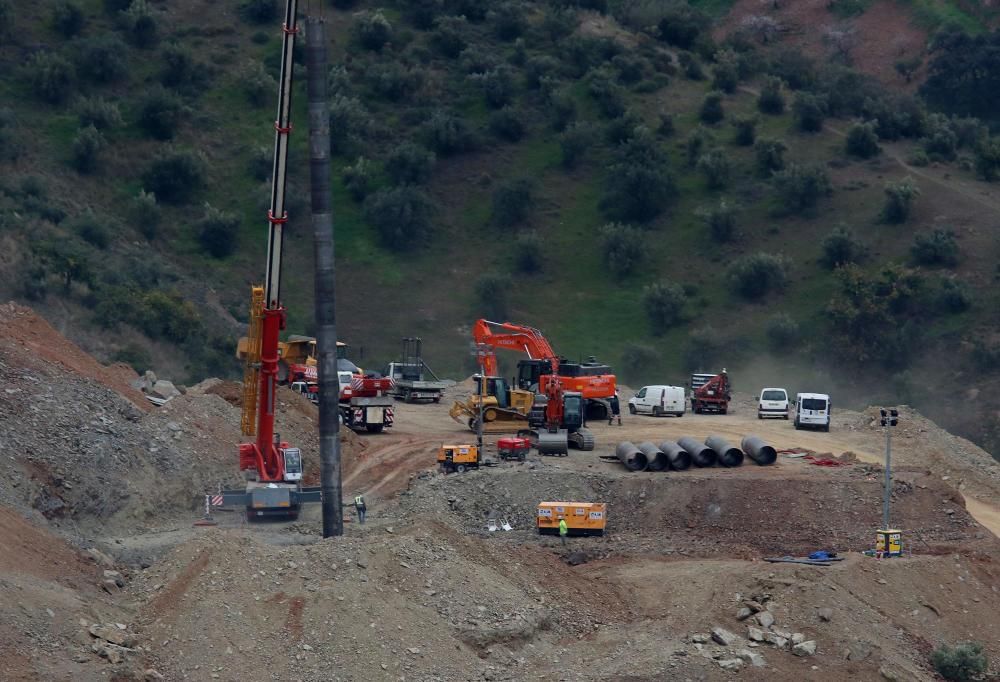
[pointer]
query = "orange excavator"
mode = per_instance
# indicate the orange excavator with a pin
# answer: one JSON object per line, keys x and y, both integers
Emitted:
{"x": 592, "y": 380}
{"x": 557, "y": 421}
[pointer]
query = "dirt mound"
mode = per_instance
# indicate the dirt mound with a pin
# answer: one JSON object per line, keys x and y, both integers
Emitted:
{"x": 36, "y": 342}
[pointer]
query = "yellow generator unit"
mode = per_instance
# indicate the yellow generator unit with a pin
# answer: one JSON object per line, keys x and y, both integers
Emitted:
{"x": 458, "y": 458}
{"x": 582, "y": 518}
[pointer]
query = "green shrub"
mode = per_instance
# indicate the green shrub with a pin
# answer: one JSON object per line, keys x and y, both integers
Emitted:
{"x": 65, "y": 259}
{"x": 666, "y": 127}
{"x": 160, "y": 112}
{"x": 771, "y": 101}
{"x": 562, "y": 110}
{"x": 622, "y": 248}
{"x": 176, "y": 176}
{"x": 610, "y": 97}
{"x": 359, "y": 178}
{"x": 87, "y": 147}
{"x": 449, "y": 35}
{"x": 447, "y": 134}
{"x": 692, "y": 67}
{"x": 574, "y": 143}
{"x": 144, "y": 214}
{"x": 507, "y": 124}
{"x": 711, "y": 108}
{"x": 92, "y": 230}
{"x": 720, "y": 221}
{"x": 11, "y": 145}
{"x": 401, "y": 217}
{"x": 179, "y": 67}
{"x": 512, "y": 202}
{"x": 716, "y": 168}
{"x": 705, "y": 348}
{"x": 507, "y": 19}
{"x": 409, "y": 164}
{"x": 98, "y": 112}
{"x": 937, "y": 248}
{"x": 497, "y": 85}
{"x": 782, "y": 332}
{"x": 899, "y": 198}
{"x": 639, "y": 186}
{"x": 67, "y": 19}
{"x": 528, "y": 249}
{"x": 623, "y": 128}
{"x": 638, "y": 360}
{"x": 474, "y": 59}
{"x": 373, "y": 30}
{"x": 769, "y": 156}
{"x": 258, "y": 11}
{"x": 940, "y": 141}
{"x": 558, "y": 22}
{"x": 102, "y": 59}
{"x": 113, "y": 7}
{"x": 755, "y": 275}
{"x": 349, "y": 124}
{"x": 394, "y": 82}
{"x": 166, "y": 315}
{"x": 135, "y": 356}
{"x": 338, "y": 81}
{"x": 681, "y": 25}
{"x": 695, "y": 143}
{"x": 862, "y": 141}
{"x": 841, "y": 247}
{"x": 140, "y": 24}
{"x": 493, "y": 294}
{"x": 953, "y": 296}
{"x": 725, "y": 74}
{"x": 809, "y": 111}
{"x": 52, "y": 77}
{"x": 257, "y": 84}
{"x": 218, "y": 232}
{"x": 664, "y": 305}
{"x": 961, "y": 663}
{"x": 745, "y": 130}
{"x": 988, "y": 158}
{"x": 631, "y": 68}
{"x": 793, "y": 67}
{"x": 799, "y": 188}
{"x": 261, "y": 163}
{"x": 538, "y": 69}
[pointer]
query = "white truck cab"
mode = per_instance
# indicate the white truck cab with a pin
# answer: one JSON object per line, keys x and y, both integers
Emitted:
{"x": 658, "y": 401}
{"x": 812, "y": 410}
{"x": 772, "y": 402}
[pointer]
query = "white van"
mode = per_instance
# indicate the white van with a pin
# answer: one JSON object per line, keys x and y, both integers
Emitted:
{"x": 772, "y": 402}
{"x": 658, "y": 401}
{"x": 812, "y": 410}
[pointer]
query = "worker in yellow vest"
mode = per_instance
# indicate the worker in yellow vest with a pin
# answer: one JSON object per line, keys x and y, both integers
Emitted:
{"x": 359, "y": 505}
{"x": 563, "y": 530}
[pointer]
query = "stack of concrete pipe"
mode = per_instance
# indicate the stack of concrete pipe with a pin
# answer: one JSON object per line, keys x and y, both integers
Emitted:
{"x": 680, "y": 455}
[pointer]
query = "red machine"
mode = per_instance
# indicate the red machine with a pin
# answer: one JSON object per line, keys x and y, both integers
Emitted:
{"x": 273, "y": 468}
{"x": 710, "y": 393}
{"x": 370, "y": 387}
{"x": 513, "y": 448}
{"x": 593, "y": 380}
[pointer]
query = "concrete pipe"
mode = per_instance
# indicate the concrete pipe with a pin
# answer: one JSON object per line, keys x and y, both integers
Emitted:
{"x": 656, "y": 459}
{"x": 758, "y": 450}
{"x": 679, "y": 458}
{"x": 728, "y": 455}
{"x": 631, "y": 456}
{"x": 701, "y": 455}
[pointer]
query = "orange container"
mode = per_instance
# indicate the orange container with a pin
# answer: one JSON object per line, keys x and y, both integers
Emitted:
{"x": 582, "y": 518}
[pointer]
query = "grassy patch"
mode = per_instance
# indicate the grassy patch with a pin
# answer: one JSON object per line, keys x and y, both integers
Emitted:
{"x": 713, "y": 7}
{"x": 934, "y": 14}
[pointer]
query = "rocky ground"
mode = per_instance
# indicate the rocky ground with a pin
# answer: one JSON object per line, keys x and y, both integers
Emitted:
{"x": 104, "y": 577}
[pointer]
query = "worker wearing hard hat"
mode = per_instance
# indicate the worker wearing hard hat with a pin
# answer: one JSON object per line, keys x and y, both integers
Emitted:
{"x": 563, "y": 530}
{"x": 359, "y": 505}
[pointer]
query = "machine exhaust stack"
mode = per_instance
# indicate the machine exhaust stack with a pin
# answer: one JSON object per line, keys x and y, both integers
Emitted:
{"x": 759, "y": 451}
{"x": 656, "y": 459}
{"x": 727, "y": 454}
{"x": 631, "y": 456}
{"x": 701, "y": 455}
{"x": 679, "y": 458}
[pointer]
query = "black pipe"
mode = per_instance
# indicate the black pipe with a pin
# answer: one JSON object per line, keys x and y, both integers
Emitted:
{"x": 656, "y": 459}
{"x": 728, "y": 455}
{"x": 679, "y": 458}
{"x": 701, "y": 455}
{"x": 631, "y": 456}
{"x": 326, "y": 321}
{"x": 758, "y": 450}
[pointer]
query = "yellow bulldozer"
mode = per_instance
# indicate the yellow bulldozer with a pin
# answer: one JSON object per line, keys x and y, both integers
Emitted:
{"x": 503, "y": 407}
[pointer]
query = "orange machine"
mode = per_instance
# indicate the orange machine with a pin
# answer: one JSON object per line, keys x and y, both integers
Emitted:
{"x": 592, "y": 379}
{"x": 582, "y": 518}
{"x": 458, "y": 458}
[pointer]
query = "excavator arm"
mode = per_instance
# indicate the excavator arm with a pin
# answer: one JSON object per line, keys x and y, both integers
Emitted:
{"x": 491, "y": 335}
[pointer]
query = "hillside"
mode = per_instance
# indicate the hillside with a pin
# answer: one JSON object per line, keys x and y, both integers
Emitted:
{"x": 546, "y": 122}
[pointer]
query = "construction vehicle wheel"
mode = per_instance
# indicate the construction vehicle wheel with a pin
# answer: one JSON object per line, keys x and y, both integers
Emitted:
{"x": 437, "y": 400}
{"x": 489, "y": 414}
{"x": 723, "y": 411}
{"x": 460, "y": 468}
{"x": 374, "y": 428}
{"x": 657, "y": 412}
{"x": 631, "y": 408}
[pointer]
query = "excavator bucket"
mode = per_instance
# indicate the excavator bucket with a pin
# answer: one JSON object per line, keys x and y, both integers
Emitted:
{"x": 553, "y": 442}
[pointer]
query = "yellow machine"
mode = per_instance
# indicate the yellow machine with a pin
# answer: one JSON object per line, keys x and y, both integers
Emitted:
{"x": 295, "y": 351}
{"x": 582, "y": 518}
{"x": 502, "y": 406}
{"x": 889, "y": 542}
{"x": 452, "y": 458}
